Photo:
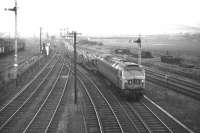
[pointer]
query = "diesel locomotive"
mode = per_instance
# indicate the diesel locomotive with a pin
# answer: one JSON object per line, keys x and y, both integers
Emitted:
{"x": 128, "y": 77}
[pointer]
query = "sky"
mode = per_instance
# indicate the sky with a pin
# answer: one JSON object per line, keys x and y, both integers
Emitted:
{"x": 101, "y": 17}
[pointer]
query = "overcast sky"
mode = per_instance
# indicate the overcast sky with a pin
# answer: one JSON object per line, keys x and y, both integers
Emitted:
{"x": 102, "y": 17}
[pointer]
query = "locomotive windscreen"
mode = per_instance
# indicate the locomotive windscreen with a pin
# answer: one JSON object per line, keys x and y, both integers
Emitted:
{"x": 133, "y": 67}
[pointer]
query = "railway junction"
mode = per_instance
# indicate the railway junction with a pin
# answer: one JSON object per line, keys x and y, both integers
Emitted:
{"x": 43, "y": 101}
{"x": 135, "y": 68}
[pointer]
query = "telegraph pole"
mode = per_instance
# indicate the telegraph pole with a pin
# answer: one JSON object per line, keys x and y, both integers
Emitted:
{"x": 75, "y": 76}
{"x": 14, "y": 9}
{"x": 74, "y": 35}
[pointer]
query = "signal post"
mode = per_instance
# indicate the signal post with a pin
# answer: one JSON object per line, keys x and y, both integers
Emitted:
{"x": 138, "y": 41}
{"x": 14, "y": 9}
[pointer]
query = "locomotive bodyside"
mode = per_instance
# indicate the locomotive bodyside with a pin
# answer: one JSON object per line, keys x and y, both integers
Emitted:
{"x": 109, "y": 72}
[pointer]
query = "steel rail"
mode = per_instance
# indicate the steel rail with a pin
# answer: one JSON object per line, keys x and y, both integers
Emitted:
{"x": 153, "y": 122}
{"x": 174, "y": 80}
{"x": 106, "y": 101}
{"x": 44, "y": 102}
{"x": 27, "y": 85}
{"x": 24, "y": 102}
{"x": 168, "y": 114}
{"x": 94, "y": 106}
{"x": 67, "y": 80}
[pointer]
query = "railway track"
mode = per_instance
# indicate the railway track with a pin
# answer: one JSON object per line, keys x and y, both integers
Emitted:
{"x": 148, "y": 117}
{"x": 16, "y": 109}
{"x": 144, "y": 117}
{"x": 41, "y": 122}
{"x": 174, "y": 124}
{"x": 91, "y": 115}
{"x": 108, "y": 115}
{"x": 175, "y": 80}
{"x": 144, "y": 121}
{"x": 185, "y": 87}
{"x": 36, "y": 79}
{"x": 181, "y": 86}
{"x": 31, "y": 84}
{"x": 53, "y": 125}
{"x": 172, "y": 79}
{"x": 30, "y": 81}
{"x": 150, "y": 120}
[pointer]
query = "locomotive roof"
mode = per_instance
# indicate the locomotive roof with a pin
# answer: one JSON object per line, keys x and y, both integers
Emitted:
{"x": 117, "y": 62}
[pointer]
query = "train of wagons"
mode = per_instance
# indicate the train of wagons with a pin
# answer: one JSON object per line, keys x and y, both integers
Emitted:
{"x": 128, "y": 77}
{"x": 7, "y": 46}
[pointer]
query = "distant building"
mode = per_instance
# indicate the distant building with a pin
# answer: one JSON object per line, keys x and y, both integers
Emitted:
{"x": 170, "y": 59}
